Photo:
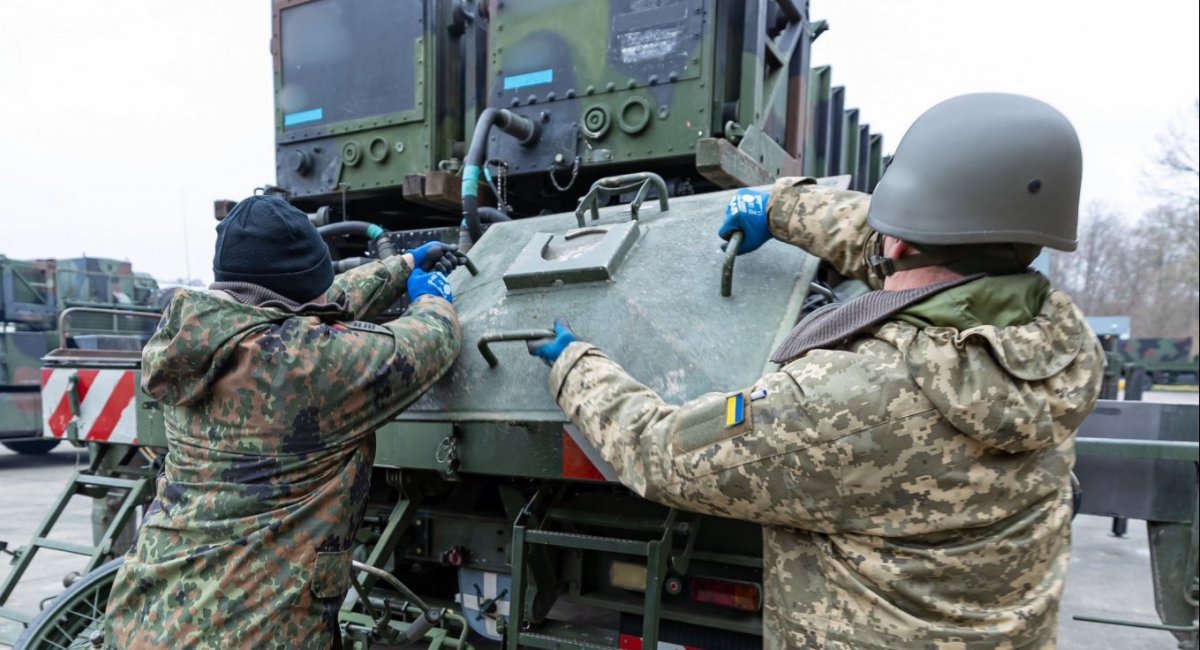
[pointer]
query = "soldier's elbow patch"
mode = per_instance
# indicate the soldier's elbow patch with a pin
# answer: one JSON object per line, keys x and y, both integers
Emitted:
{"x": 331, "y": 575}
{"x": 718, "y": 418}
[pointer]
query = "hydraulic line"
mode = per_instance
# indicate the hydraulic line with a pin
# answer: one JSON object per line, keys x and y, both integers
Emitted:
{"x": 492, "y": 215}
{"x": 383, "y": 245}
{"x": 526, "y": 133}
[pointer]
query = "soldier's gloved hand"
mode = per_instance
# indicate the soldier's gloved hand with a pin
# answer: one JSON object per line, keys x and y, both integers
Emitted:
{"x": 747, "y": 212}
{"x": 548, "y": 350}
{"x": 438, "y": 256}
{"x": 424, "y": 283}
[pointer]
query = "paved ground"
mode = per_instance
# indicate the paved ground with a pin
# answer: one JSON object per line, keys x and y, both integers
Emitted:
{"x": 28, "y": 485}
{"x": 1108, "y": 577}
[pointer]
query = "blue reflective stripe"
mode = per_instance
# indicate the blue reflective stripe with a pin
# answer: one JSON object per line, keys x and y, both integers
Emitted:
{"x": 529, "y": 79}
{"x": 311, "y": 115}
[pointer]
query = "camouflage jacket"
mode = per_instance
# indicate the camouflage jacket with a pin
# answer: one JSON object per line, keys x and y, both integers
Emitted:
{"x": 270, "y": 417}
{"x": 913, "y": 485}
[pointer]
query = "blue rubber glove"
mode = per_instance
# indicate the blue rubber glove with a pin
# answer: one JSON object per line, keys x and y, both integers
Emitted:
{"x": 548, "y": 350}
{"x": 422, "y": 283}
{"x": 427, "y": 255}
{"x": 747, "y": 212}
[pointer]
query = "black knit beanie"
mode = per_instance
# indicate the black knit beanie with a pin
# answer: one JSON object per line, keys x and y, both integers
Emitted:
{"x": 268, "y": 242}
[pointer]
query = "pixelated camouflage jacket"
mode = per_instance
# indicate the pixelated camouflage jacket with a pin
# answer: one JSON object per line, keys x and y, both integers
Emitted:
{"x": 913, "y": 484}
{"x": 270, "y": 418}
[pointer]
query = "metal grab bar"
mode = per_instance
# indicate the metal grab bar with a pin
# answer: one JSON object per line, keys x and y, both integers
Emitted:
{"x": 517, "y": 335}
{"x": 731, "y": 252}
{"x": 62, "y": 318}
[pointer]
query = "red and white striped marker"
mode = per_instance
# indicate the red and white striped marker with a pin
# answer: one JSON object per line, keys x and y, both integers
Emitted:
{"x": 106, "y": 399}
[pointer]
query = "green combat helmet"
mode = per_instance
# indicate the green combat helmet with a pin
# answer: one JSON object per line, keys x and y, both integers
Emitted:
{"x": 980, "y": 183}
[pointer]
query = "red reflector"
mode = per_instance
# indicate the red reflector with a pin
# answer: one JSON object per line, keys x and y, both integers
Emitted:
{"x": 743, "y": 596}
{"x": 630, "y": 642}
{"x": 575, "y": 464}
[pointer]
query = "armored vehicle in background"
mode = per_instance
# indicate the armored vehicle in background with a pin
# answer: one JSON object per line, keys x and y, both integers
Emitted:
{"x": 34, "y": 295}
{"x": 1166, "y": 360}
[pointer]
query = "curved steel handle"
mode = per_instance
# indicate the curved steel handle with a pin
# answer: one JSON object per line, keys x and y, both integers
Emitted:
{"x": 470, "y": 265}
{"x": 731, "y": 251}
{"x": 516, "y": 335}
{"x": 614, "y": 185}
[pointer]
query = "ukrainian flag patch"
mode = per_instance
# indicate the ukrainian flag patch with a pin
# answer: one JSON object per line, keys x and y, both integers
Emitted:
{"x": 735, "y": 410}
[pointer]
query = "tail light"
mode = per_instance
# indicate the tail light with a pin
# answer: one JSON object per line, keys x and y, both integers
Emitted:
{"x": 731, "y": 594}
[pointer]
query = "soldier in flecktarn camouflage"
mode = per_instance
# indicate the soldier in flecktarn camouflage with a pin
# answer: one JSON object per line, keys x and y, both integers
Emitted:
{"x": 272, "y": 387}
{"x": 910, "y": 459}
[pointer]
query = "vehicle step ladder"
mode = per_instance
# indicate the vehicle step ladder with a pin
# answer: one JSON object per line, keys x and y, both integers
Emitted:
{"x": 80, "y": 483}
{"x": 659, "y": 554}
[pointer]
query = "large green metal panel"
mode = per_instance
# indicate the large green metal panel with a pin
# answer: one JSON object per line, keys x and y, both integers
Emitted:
{"x": 659, "y": 315}
{"x": 636, "y": 83}
{"x": 366, "y": 93}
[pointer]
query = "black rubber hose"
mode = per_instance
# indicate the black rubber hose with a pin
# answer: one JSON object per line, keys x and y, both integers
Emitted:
{"x": 383, "y": 245}
{"x": 363, "y": 228}
{"x": 523, "y": 129}
{"x": 492, "y": 215}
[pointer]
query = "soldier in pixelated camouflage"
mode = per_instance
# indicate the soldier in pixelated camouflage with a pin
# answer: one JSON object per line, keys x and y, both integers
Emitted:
{"x": 272, "y": 386}
{"x": 910, "y": 459}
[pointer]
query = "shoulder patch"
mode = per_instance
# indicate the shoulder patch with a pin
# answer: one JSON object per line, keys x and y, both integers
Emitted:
{"x": 735, "y": 410}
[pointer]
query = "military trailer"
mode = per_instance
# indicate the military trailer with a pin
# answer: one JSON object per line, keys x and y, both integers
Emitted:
{"x": 34, "y": 295}
{"x": 586, "y": 170}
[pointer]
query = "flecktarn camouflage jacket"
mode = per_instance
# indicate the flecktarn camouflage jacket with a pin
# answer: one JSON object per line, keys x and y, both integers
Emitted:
{"x": 913, "y": 484}
{"x": 270, "y": 415}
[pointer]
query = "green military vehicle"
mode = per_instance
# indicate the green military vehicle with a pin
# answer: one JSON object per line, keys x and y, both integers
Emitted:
{"x": 34, "y": 295}
{"x": 584, "y": 152}
{"x": 1167, "y": 360}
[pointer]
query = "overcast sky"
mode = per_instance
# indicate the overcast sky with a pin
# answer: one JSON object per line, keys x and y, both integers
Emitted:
{"x": 121, "y": 121}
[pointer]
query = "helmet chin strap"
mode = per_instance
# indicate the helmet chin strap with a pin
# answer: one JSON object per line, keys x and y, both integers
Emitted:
{"x": 882, "y": 266}
{"x": 992, "y": 259}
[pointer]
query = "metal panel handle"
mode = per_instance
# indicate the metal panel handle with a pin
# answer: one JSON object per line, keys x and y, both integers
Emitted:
{"x": 731, "y": 252}
{"x": 614, "y": 185}
{"x": 516, "y": 335}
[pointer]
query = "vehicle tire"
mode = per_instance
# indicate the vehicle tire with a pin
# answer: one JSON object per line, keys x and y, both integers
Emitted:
{"x": 1148, "y": 382}
{"x": 74, "y": 615}
{"x": 32, "y": 447}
